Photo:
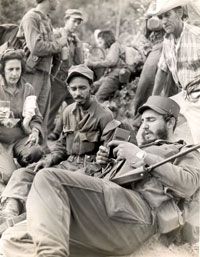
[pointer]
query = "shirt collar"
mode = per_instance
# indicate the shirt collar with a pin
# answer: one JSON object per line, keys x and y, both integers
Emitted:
{"x": 6, "y": 89}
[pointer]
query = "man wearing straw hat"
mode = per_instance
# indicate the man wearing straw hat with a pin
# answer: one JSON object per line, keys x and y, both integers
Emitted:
{"x": 181, "y": 56}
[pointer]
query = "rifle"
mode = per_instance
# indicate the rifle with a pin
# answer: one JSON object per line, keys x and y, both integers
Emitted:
{"x": 142, "y": 172}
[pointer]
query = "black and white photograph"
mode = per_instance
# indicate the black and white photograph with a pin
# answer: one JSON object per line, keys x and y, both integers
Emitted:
{"x": 99, "y": 128}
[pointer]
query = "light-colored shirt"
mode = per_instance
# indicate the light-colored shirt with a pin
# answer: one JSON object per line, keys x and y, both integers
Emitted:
{"x": 182, "y": 57}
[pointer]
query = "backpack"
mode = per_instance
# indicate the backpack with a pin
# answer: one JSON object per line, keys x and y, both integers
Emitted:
{"x": 8, "y": 37}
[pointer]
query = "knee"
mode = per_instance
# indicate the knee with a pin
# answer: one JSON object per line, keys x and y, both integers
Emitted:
{"x": 44, "y": 177}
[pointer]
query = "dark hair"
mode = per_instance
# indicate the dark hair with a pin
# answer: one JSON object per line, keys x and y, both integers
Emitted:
{"x": 79, "y": 75}
{"x": 39, "y": 1}
{"x": 12, "y": 54}
{"x": 108, "y": 37}
{"x": 168, "y": 117}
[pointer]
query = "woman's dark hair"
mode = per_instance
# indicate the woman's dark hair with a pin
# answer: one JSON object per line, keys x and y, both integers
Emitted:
{"x": 11, "y": 54}
{"x": 108, "y": 37}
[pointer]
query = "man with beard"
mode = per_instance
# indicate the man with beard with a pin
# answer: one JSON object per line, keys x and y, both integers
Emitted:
{"x": 70, "y": 214}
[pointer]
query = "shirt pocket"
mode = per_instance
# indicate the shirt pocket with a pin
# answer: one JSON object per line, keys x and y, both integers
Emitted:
{"x": 89, "y": 142}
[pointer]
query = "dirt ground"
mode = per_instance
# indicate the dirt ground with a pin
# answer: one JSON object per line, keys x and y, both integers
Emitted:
{"x": 153, "y": 248}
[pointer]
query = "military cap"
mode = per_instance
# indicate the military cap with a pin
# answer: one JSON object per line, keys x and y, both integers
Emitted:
{"x": 80, "y": 70}
{"x": 162, "y": 105}
{"x": 75, "y": 13}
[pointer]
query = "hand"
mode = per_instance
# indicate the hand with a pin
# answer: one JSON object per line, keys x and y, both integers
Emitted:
{"x": 124, "y": 150}
{"x": 102, "y": 155}
{"x": 33, "y": 138}
{"x": 45, "y": 163}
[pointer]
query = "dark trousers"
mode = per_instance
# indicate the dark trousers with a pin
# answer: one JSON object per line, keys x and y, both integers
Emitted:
{"x": 59, "y": 93}
{"x": 71, "y": 214}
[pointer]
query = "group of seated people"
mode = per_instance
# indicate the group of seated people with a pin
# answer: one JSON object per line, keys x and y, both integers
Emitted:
{"x": 102, "y": 189}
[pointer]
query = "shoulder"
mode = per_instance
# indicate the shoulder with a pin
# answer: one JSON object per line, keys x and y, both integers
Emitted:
{"x": 192, "y": 29}
{"x": 102, "y": 111}
{"x": 31, "y": 14}
{"x": 28, "y": 88}
{"x": 68, "y": 109}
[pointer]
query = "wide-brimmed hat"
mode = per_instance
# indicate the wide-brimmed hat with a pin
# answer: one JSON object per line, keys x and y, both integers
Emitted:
{"x": 80, "y": 70}
{"x": 75, "y": 13}
{"x": 162, "y": 105}
{"x": 161, "y": 6}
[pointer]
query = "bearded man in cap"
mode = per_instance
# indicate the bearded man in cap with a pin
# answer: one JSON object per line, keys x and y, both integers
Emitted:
{"x": 181, "y": 56}
{"x": 71, "y": 54}
{"x": 70, "y": 214}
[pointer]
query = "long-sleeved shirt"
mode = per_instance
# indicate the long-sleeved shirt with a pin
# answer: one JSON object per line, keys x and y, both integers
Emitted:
{"x": 16, "y": 99}
{"x": 182, "y": 57}
{"x": 82, "y": 132}
{"x": 37, "y": 31}
{"x": 75, "y": 56}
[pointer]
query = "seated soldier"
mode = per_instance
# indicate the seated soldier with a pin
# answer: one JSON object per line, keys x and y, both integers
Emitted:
{"x": 70, "y": 214}
{"x": 84, "y": 123}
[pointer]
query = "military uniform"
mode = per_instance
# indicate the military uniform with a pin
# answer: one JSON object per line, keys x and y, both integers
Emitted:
{"x": 70, "y": 214}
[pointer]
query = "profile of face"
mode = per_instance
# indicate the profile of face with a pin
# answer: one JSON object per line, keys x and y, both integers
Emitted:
{"x": 12, "y": 71}
{"x": 153, "y": 127}
{"x": 53, "y": 5}
{"x": 72, "y": 24}
{"x": 171, "y": 21}
{"x": 80, "y": 90}
{"x": 100, "y": 42}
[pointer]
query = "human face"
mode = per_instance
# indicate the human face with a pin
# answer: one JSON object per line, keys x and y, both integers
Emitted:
{"x": 53, "y": 5}
{"x": 153, "y": 127}
{"x": 79, "y": 88}
{"x": 72, "y": 24}
{"x": 12, "y": 71}
{"x": 171, "y": 22}
{"x": 100, "y": 42}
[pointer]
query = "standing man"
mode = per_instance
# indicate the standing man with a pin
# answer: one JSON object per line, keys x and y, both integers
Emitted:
{"x": 71, "y": 54}
{"x": 70, "y": 214}
{"x": 181, "y": 56}
{"x": 36, "y": 30}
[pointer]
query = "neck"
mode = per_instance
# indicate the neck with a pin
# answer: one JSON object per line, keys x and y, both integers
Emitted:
{"x": 178, "y": 31}
{"x": 87, "y": 104}
{"x": 43, "y": 7}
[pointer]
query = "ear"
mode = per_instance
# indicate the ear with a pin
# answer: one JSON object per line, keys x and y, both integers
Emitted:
{"x": 171, "y": 123}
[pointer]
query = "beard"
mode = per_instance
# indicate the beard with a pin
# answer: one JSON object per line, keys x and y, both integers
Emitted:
{"x": 161, "y": 133}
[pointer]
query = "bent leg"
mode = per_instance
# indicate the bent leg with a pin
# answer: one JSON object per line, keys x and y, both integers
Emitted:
{"x": 86, "y": 216}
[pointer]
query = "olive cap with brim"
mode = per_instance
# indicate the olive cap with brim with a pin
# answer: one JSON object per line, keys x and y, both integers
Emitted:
{"x": 80, "y": 70}
{"x": 74, "y": 13}
{"x": 162, "y": 6}
{"x": 162, "y": 105}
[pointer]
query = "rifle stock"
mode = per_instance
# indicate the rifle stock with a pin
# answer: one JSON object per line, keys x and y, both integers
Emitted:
{"x": 141, "y": 172}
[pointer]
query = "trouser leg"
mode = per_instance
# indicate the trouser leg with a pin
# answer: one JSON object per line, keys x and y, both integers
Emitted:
{"x": 108, "y": 87}
{"x": 65, "y": 207}
{"x": 19, "y": 185}
{"x": 7, "y": 165}
{"x": 146, "y": 81}
{"x": 59, "y": 93}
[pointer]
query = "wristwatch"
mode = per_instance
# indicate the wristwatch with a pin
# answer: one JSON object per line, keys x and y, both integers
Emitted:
{"x": 141, "y": 154}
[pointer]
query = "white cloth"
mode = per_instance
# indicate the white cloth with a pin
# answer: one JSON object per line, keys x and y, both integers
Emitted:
{"x": 191, "y": 111}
